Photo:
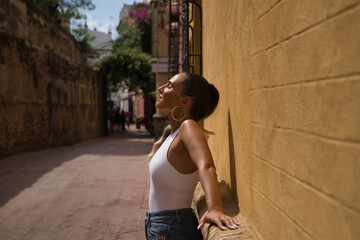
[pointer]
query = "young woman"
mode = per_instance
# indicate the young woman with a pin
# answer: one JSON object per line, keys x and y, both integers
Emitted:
{"x": 179, "y": 160}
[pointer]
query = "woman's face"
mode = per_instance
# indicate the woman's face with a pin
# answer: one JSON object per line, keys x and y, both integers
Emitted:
{"x": 170, "y": 94}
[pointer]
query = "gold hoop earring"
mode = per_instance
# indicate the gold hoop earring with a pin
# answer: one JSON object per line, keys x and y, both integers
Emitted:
{"x": 176, "y": 119}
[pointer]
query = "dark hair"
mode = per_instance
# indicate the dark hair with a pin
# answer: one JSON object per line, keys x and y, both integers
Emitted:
{"x": 205, "y": 98}
{"x": 203, "y": 94}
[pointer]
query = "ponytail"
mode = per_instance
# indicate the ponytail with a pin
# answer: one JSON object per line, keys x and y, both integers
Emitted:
{"x": 214, "y": 99}
{"x": 203, "y": 94}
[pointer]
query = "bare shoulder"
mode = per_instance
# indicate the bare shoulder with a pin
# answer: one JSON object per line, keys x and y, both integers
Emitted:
{"x": 189, "y": 125}
{"x": 190, "y": 129}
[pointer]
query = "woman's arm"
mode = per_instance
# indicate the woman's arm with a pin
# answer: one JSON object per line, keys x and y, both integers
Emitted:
{"x": 195, "y": 142}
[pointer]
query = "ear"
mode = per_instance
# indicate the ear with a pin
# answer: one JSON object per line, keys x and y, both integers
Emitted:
{"x": 186, "y": 102}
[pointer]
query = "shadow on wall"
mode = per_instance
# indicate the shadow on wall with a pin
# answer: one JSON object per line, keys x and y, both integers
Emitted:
{"x": 233, "y": 186}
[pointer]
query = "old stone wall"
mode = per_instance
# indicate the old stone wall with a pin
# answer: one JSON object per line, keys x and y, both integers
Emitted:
{"x": 287, "y": 140}
{"x": 48, "y": 96}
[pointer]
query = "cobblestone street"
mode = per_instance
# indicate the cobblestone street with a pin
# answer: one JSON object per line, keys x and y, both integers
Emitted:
{"x": 91, "y": 190}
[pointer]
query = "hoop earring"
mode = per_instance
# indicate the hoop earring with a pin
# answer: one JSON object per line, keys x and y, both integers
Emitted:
{"x": 172, "y": 114}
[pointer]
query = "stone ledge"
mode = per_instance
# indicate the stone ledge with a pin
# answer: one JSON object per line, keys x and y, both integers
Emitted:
{"x": 210, "y": 231}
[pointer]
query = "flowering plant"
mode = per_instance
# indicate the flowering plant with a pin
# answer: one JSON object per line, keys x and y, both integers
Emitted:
{"x": 139, "y": 15}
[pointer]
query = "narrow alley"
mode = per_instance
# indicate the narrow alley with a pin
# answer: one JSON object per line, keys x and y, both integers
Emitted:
{"x": 95, "y": 189}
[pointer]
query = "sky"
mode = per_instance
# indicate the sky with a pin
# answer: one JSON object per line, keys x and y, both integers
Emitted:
{"x": 105, "y": 16}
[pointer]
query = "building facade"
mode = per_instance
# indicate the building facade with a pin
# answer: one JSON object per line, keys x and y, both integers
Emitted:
{"x": 101, "y": 46}
{"x": 288, "y": 145}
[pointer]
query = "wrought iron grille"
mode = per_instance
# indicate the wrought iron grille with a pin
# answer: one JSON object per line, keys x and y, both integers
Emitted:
{"x": 174, "y": 37}
{"x": 182, "y": 55}
{"x": 188, "y": 50}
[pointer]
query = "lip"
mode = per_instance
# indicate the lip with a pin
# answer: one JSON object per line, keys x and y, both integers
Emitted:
{"x": 159, "y": 97}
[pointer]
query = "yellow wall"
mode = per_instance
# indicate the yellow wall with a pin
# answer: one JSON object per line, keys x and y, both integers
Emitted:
{"x": 162, "y": 37}
{"x": 288, "y": 143}
{"x": 159, "y": 56}
{"x": 194, "y": 38}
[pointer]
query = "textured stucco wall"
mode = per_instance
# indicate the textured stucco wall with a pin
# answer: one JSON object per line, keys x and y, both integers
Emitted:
{"x": 48, "y": 97}
{"x": 161, "y": 52}
{"x": 287, "y": 127}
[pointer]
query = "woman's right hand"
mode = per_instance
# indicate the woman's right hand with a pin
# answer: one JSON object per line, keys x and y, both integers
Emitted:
{"x": 220, "y": 219}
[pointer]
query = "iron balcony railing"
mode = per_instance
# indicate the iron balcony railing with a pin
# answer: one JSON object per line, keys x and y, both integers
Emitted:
{"x": 181, "y": 49}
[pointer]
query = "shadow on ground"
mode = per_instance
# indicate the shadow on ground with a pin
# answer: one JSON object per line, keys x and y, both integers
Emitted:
{"x": 21, "y": 171}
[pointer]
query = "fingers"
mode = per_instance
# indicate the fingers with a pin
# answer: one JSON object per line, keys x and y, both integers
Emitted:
{"x": 222, "y": 221}
{"x": 231, "y": 223}
{"x": 226, "y": 222}
{"x": 202, "y": 222}
{"x": 219, "y": 223}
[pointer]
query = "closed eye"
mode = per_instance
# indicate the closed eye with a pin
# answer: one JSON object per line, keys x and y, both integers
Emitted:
{"x": 168, "y": 85}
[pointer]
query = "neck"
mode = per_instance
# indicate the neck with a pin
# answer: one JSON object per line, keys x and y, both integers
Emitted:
{"x": 174, "y": 124}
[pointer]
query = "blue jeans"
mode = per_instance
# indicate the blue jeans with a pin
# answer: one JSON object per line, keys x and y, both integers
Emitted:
{"x": 178, "y": 224}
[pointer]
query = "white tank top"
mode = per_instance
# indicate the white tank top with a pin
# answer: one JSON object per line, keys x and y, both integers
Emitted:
{"x": 169, "y": 189}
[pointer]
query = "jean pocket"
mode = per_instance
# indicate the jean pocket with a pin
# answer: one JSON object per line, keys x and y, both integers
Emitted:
{"x": 160, "y": 231}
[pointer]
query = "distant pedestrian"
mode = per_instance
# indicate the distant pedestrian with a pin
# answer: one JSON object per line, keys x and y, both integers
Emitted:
{"x": 117, "y": 120}
{"x": 179, "y": 159}
{"x": 122, "y": 120}
{"x": 138, "y": 122}
{"x": 128, "y": 119}
{"x": 111, "y": 118}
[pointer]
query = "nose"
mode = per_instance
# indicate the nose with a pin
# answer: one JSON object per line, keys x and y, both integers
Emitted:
{"x": 160, "y": 89}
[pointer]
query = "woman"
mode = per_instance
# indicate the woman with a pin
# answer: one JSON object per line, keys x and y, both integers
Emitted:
{"x": 179, "y": 160}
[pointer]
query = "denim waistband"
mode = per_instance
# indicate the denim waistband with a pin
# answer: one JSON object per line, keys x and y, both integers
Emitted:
{"x": 177, "y": 215}
{"x": 183, "y": 211}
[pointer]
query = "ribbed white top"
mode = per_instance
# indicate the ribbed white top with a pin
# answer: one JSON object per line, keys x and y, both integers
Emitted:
{"x": 169, "y": 189}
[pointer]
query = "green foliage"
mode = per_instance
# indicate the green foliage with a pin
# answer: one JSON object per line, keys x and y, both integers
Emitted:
{"x": 130, "y": 67}
{"x": 65, "y": 8}
{"x": 68, "y": 9}
{"x": 145, "y": 36}
{"x": 130, "y": 64}
{"x": 129, "y": 37}
{"x": 49, "y": 7}
{"x": 82, "y": 35}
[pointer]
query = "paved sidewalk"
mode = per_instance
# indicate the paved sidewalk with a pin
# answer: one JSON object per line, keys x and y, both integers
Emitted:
{"x": 91, "y": 190}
